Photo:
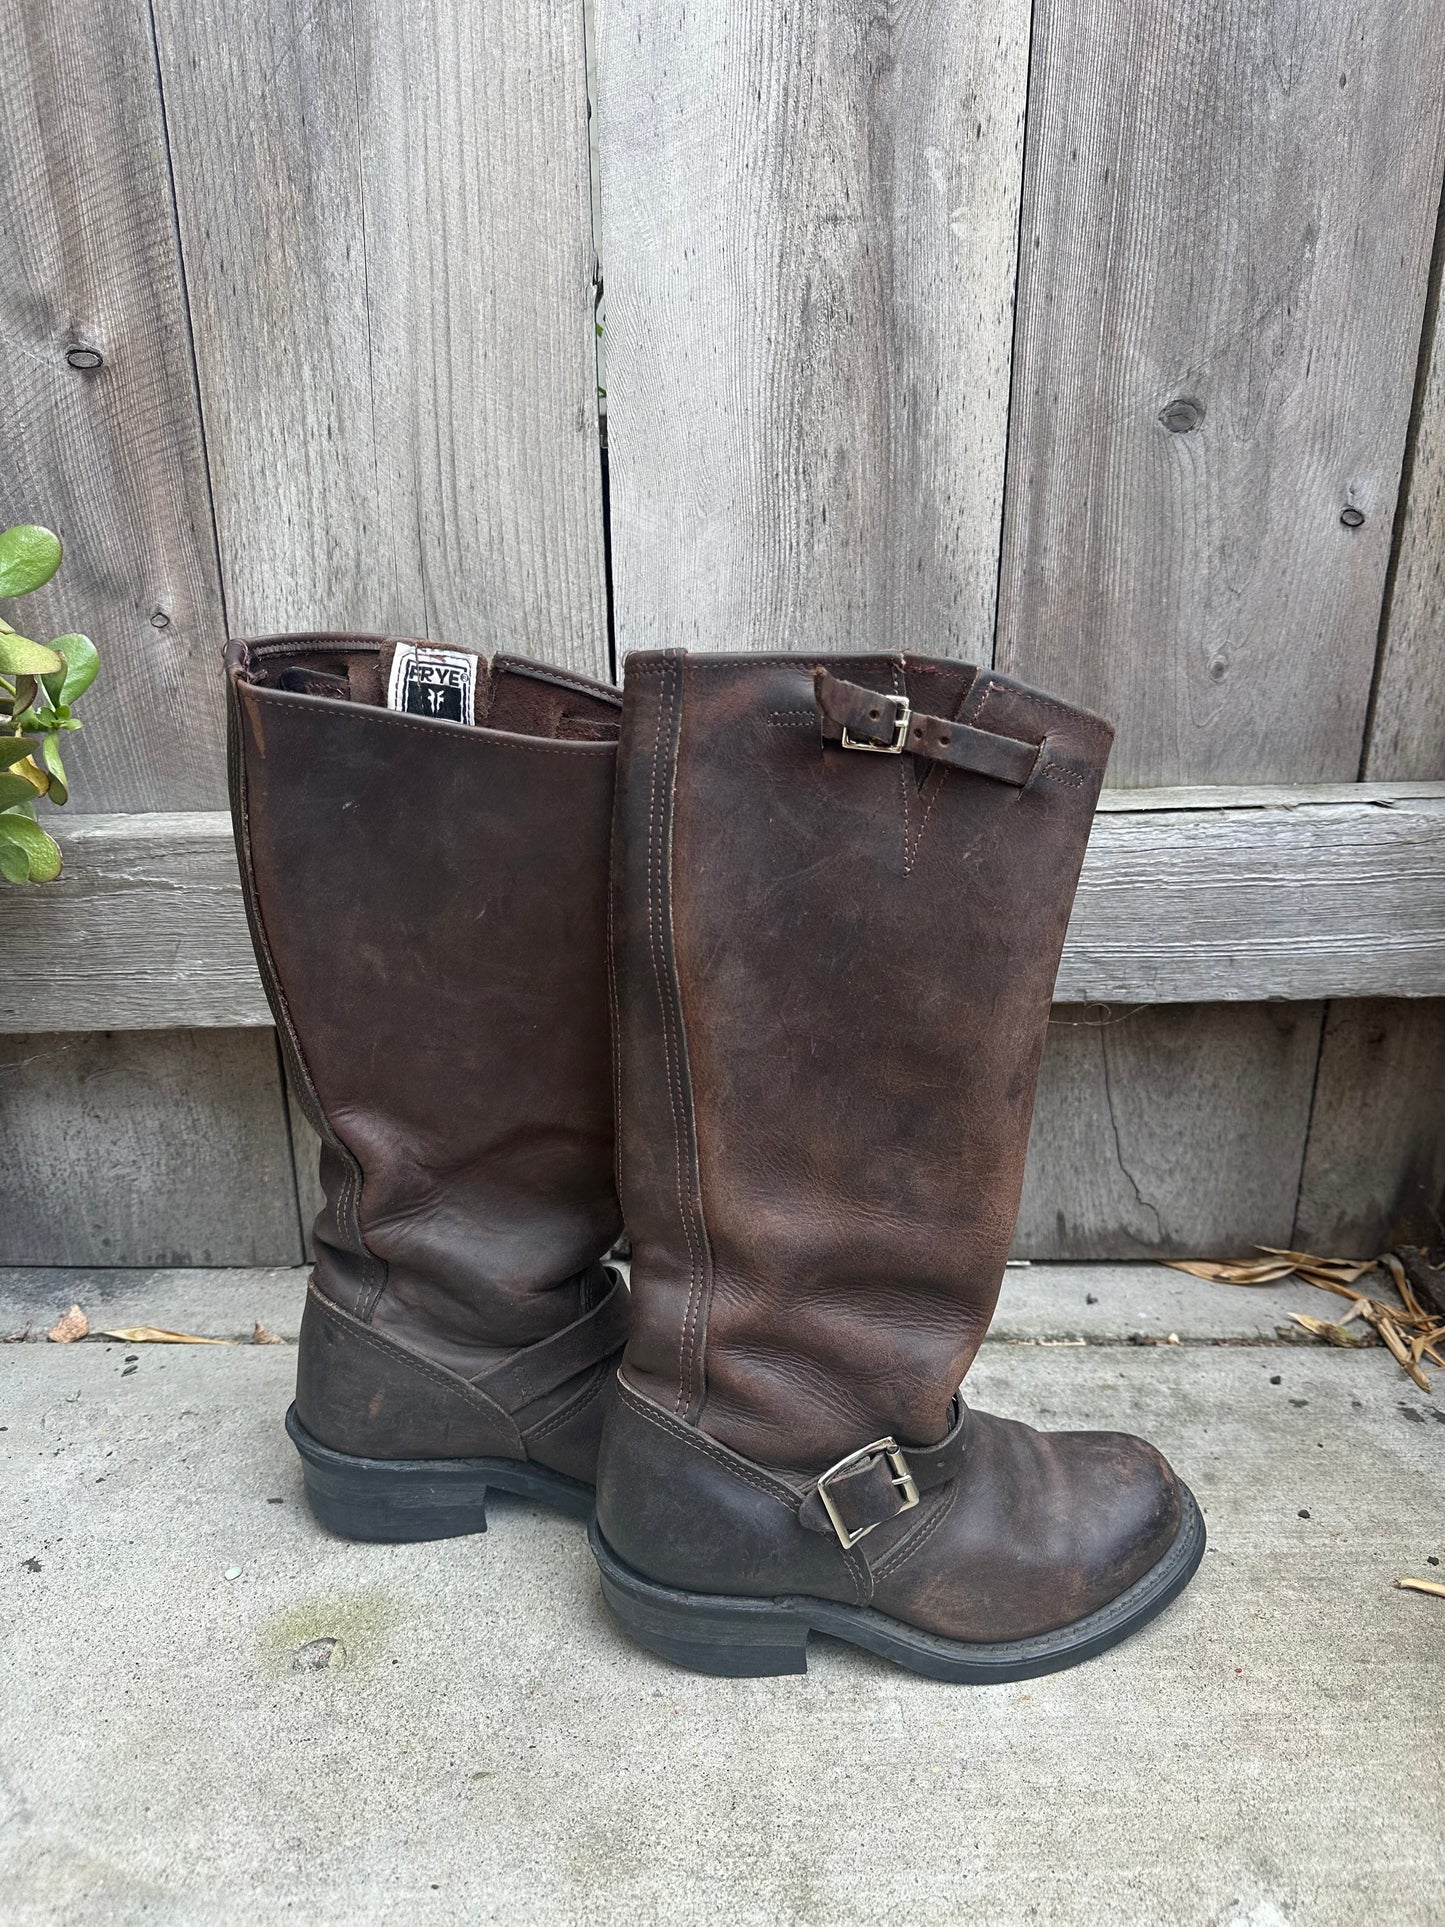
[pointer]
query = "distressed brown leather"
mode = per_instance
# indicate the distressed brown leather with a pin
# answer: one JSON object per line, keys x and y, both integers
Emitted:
{"x": 834, "y": 971}
{"x": 428, "y": 903}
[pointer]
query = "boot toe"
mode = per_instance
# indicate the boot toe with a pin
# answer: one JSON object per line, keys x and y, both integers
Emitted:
{"x": 1129, "y": 1509}
{"x": 1039, "y": 1530}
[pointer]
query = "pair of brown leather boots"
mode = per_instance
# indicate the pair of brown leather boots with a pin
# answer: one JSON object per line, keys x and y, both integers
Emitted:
{"x": 772, "y": 940}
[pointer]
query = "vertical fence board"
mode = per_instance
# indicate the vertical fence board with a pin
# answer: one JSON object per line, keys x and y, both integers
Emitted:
{"x": 386, "y": 219}
{"x": 1407, "y": 728}
{"x": 1374, "y": 1173}
{"x": 110, "y": 456}
{"x": 1227, "y": 209}
{"x": 809, "y": 220}
{"x": 145, "y": 1148}
{"x": 1168, "y": 1131}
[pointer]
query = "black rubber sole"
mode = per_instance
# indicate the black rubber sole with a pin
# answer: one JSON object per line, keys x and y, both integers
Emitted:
{"x": 399, "y": 1501}
{"x": 756, "y": 1638}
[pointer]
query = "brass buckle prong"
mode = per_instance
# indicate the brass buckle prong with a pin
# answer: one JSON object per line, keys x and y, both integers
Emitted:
{"x": 902, "y": 717}
{"x": 899, "y": 1477}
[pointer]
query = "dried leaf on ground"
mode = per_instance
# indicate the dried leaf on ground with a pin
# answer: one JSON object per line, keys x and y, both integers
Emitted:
{"x": 152, "y": 1335}
{"x": 1265, "y": 1271}
{"x": 1412, "y": 1330}
{"x": 1422, "y": 1585}
{"x": 1425, "y": 1271}
{"x": 260, "y": 1336}
{"x": 1389, "y": 1331}
{"x": 66, "y": 1330}
{"x": 1332, "y": 1334}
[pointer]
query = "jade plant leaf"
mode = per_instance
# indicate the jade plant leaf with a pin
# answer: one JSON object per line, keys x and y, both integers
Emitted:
{"x": 41, "y": 852}
{"x": 59, "y": 786}
{"x": 19, "y": 656}
{"x": 82, "y": 665}
{"x": 29, "y": 556}
{"x": 15, "y": 789}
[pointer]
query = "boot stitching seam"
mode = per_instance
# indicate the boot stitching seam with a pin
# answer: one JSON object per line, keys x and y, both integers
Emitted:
{"x": 572, "y": 1406}
{"x": 912, "y": 1542}
{"x": 700, "y": 1304}
{"x": 688, "y": 1435}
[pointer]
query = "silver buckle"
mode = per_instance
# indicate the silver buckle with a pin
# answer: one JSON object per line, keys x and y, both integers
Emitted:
{"x": 900, "y": 1477}
{"x": 901, "y": 722}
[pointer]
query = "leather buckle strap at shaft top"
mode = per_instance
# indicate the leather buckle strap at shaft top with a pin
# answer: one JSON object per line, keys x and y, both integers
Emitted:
{"x": 867, "y": 1488}
{"x": 884, "y": 724}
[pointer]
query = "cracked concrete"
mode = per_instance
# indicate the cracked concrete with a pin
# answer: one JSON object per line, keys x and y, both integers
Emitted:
{"x": 211, "y": 1712}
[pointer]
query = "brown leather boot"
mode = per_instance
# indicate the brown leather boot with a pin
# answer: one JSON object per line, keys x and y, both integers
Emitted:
{"x": 427, "y": 897}
{"x": 839, "y": 899}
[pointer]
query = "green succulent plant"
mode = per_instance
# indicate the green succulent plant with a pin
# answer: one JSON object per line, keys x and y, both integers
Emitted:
{"x": 39, "y": 681}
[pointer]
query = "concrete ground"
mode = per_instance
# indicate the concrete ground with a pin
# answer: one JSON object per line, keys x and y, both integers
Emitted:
{"x": 486, "y": 1747}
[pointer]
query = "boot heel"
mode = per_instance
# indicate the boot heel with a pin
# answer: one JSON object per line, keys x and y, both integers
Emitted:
{"x": 395, "y": 1501}
{"x": 729, "y": 1638}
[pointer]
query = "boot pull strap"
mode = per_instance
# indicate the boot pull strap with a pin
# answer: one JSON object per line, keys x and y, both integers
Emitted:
{"x": 542, "y": 1367}
{"x": 869, "y": 1487}
{"x": 885, "y": 725}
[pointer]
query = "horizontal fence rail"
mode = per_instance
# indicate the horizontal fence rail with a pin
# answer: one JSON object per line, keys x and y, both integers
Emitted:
{"x": 1223, "y": 895}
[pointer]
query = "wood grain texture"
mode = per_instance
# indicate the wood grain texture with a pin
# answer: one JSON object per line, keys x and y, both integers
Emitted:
{"x": 1374, "y": 1171}
{"x": 1407, "y": 726}
{"x": 385, "y": 211}
{"x": 109, "y": 456}
{"x": 1327, "y": 899}
{"x": 809, "y": 220}
{"x": 162, "y": 1149}
{"x": 1168, "y": 1132}
{"x": 1228, "y": 210}
{"x": 144, "y": 928}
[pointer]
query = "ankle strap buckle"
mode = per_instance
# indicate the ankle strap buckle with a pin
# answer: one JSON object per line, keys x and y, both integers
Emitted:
{"x": 902, "y": 718}
{"x": 899, "y": 1476}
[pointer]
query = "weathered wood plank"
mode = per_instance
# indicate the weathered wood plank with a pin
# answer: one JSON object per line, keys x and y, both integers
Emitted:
{"x": 1240, "y": 905}
{"x": 1374, "y": 1172}
{"x": 810, "y": 231}
{"x": 145, "y": 1150}
{"x": 1228, "y": 216}
{"x": 144, "y": 928}
{"x": 109, "y": 454}
{"x": 388, "y": 245}
{"x": 1407, "y": 726}
{"x": 1168, "y": 1132}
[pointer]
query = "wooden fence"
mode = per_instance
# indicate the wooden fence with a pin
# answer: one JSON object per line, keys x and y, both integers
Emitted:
{"x": 1092, "y": 338}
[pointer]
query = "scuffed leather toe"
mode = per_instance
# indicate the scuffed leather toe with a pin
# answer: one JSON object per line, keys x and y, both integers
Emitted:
{"x": 1038, "y": 1530}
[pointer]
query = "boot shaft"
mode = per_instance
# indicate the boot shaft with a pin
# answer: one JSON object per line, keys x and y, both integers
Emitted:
{"x": 835, "y": 968}
{"x": 428, "y": 902}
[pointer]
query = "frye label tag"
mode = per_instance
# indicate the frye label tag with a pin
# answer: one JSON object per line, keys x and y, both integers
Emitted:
{"x": 433, "y": 682}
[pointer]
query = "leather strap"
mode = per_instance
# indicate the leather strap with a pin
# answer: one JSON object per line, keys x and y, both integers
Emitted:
{"x": 868, "y": 1494}
{"x": 542, "y": 1367}
{"x": 873, "y": 719}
